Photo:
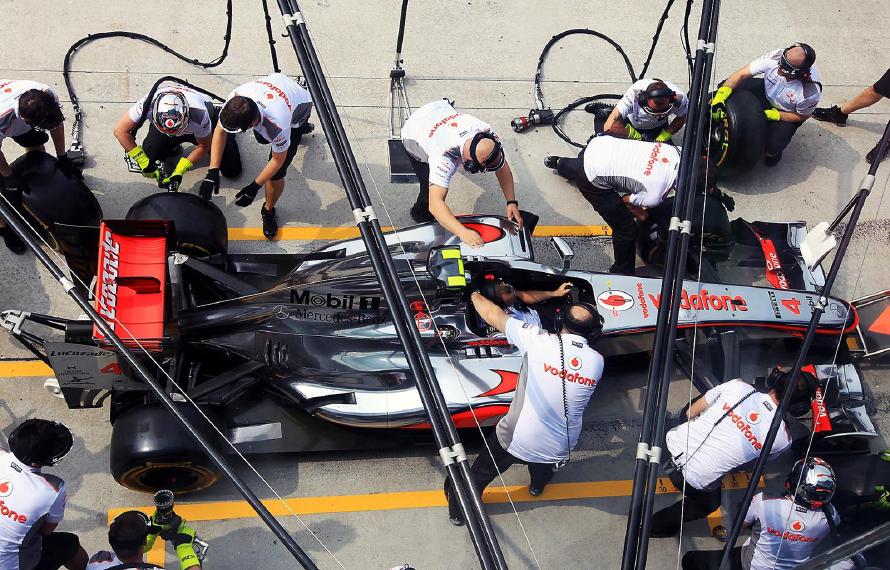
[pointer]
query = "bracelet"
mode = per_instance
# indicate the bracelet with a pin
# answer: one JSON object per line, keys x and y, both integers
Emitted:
{"x": 514, "y": 202}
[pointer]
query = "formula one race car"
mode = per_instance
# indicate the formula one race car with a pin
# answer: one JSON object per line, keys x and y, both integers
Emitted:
{"x": 287, "y": 352}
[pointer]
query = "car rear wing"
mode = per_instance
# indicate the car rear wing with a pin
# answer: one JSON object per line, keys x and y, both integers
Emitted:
{"x": 130, "y": 292}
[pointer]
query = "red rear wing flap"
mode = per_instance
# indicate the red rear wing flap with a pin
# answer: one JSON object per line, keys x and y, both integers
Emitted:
{"x": 131, "y": 280}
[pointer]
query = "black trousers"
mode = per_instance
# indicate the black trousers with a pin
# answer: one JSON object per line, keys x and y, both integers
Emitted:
{"x": 484, "y": 470}
{"x": 698, "y": 505}
{"x": 710, "y": 559}
{"x": 422, "y": 170}
{"x": 611, "y": 207}
{"x": 58, "y": 548}
{"x": 778, "y": 133}
{"x": 158, "y": 146}
{"x": 32, "y": 138}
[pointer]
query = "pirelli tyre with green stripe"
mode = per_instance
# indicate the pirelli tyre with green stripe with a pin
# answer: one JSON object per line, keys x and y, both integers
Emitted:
{"x": 738, "y": 134}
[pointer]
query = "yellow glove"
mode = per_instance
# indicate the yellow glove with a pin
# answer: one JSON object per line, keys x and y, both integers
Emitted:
{"x": 721, "y": 96}
{"x": 145, "y": 164}
{"x": 664, "y": 136}
{"x": 772, "y": 115}
{"x": 183, "y": 541}
{"x": 634, "y": 134}
{"x": 183, "y": 166}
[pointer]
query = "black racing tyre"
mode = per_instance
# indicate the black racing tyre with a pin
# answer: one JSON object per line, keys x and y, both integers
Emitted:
{"x": 150, "y": 451}
{"x": 738, "y": 142}
{"x": 200, "y": 225}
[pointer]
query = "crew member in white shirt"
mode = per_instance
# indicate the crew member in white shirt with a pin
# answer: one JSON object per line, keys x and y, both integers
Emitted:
{"x": 132, "y": 533}
{"x": 28, "y": 111}
{"x": 277, "y": 108}
{"x": 439, "y": 140}
{"x": 643, "y": 112}
{"x": 559, "y": 375}
{"x": 726, "y": 429}
{"x": 621, "y": 179}
{"x": 32, "y": 503}
{"x": 517, "y": 304}
{"x": 789, "y": 92}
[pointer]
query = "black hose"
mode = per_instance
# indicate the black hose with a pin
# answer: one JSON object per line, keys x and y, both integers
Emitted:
{"x": 403, "y": 16}
{"x": 269, "y": 34}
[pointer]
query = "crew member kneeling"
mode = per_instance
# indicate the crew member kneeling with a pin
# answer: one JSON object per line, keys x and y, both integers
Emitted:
{"x": 789, "y": 93}
{"x": 176, "y": 114}
{"x": 609, "y": 167}
{"x": 132, "y": 533}
{"x": 642, "y": 114}
{"x": 726, "y": 429}
{"x": 277, "y": 108}
{"x": 559, "y": 374}
{"x": 438, "y": 140}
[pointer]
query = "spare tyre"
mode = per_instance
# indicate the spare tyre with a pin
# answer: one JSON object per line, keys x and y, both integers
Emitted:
{"x": 200, "y": 226}
{"x": 739, "y": 140}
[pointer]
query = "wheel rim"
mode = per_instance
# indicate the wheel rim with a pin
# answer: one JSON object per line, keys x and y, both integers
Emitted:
{"x": 180, "y": 477}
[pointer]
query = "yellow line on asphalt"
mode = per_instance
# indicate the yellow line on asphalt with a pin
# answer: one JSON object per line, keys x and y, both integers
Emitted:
{"x": 225, "y": 510}
{"x": 23, "y": 368}
{"x": 315, "y": 233}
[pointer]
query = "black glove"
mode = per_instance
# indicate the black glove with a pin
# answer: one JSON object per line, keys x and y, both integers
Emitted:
{"x": 727, "y": 202}
{"x": 10, "y": 183}
{"x": 170, "y": 528}
{"x": 210, "y": 184}
{"x": 247, "y": 194}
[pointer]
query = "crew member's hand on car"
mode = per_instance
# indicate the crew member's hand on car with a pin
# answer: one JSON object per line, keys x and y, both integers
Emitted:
{"x": 634, "y": 134}
{"x": 664, "y": 136}
{"x": 563, "y": 290}
{"x": 513, "y": 213}
{"x": 721, "y": 96}
{"x": 636, "y": 211}
{"x": 470, "y": 237}
{"x": 175, "y": 178}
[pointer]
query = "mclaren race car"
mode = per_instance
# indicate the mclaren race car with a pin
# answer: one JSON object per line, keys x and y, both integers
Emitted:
{"x": 287, "y": 352}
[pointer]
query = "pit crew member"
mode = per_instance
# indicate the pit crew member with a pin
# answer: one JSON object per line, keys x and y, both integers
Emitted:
{"x": 132, "y": 533}
{"x": 277, "y": 108}
{"x": 517, "y": 304}
{"x": 559, "y": 375}
{"x": 439, "y": 139}
{"x": 176, "y": 114}
{"x": 620, "y": 179}
{"x": 32, "y": 503}
{"x": 28, "y": 111}
{"x": 643, "y": 111}
{"x": 788, "y": 92}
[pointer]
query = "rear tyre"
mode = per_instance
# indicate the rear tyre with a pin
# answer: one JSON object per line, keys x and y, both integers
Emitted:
{"x": 151, "y": 451}
{"x": 200, "y": 225}
{"x": 739, "y": 141}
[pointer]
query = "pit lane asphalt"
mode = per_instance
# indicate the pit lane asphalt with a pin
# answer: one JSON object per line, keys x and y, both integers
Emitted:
{"x": 819, "y": 173}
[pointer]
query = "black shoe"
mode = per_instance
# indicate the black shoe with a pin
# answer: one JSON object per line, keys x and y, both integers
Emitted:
{"x": 831, "y": 115}
{"x": 870, "y": 157}
{"x": 456, "y": 520}
{"x": 664, "y": 532}
{"x": 535, "y": 492}
{"x": 599, "y": 109}
{"x": 13, "y": 242}
{"x": 771, "y": 161}
{"x": 421, "y": 215}
{"x": 614, "y": 270}
{"x": 270, "y": 222}
{"x": 307, "y": 128}
{"x": 551, "y": 161}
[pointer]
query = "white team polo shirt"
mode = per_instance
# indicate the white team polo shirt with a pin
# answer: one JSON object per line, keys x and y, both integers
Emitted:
{"x": 11, "y": 124}
{"x": 283, "y": 104}
{"x": 784, "y": 533}
{"x": 647, "y": 171}
{"x": 794, "y": 96}
{"x": 436, "y": 133}
{"x": 631, "y": 110}
{"x": 705, "y": 452}
{"x": 28, "y": 499}
{"x": 534, "y": 429}
{"x": 199, "y": 109}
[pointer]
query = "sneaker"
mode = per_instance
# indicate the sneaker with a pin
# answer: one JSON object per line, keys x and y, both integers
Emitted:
{"x": 870, "y": 157}
{"x": 456, "y": 520}
{"x": 270, "y": 222}
{"x": 13, "y": 242}
{"x": 535, "y": 492}
{"x": 831, "y": 115}
{"x": 771, "y": 161}
{"x": 599, "y": 109}
{"x": 307, "y": 128}
{"x": 551, "y": 161}
{"x": 421, "y": 215}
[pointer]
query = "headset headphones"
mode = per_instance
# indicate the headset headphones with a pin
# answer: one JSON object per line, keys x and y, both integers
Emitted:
{"x": 494, "y": 161}
{"x": 50, "y": 454}
{"x": 665, "y": 92}
{"x": 129, "y": 543}
{"x": 589, "y": 330}
{"x": 801, "y": 72}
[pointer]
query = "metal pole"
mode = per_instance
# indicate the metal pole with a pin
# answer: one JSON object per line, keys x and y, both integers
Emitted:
{"x": 800, "y": 360}
{"x": 399, "y": 41}
{"x": 663, "y": 333}
{"x": 286, "y": 539}
{"x": 847, "y": 549}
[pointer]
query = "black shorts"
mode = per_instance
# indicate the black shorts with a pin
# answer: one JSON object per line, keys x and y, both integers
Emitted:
{"x": 32, "y": 138}
{"x": 296, "y": 135}
{"x": 58, "y": 548}
{"x": 882, "y": 85}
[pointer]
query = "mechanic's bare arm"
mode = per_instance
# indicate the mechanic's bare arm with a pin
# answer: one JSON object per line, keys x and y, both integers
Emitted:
{"x": 274, "y": 165}
{"x": 792, "y": 117}
{"x": 532, "y": 297}
{"x": 201, "y": 149}
{"x": 613, "y": 125}
{"x": 676, "y": 124}
{"x": 490, "y": 313}
{"x": 443, "y": 214}
{"x": 123, "y": 132}
{"x": 697, "y": 408}
{"x": 505, "y": 179}
{"x": 58, "y": 136}
{"x": 637, "y": 212}
{"x": 216, "y": 148}
{"x": 47, "y": 529}
{"x": 733, "y": 80}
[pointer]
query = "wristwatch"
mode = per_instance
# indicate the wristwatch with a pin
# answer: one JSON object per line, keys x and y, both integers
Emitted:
{"x": 514, "y": 202}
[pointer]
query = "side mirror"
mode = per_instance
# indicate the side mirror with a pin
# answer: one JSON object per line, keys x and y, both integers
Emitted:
{"x": 565, "y": 251}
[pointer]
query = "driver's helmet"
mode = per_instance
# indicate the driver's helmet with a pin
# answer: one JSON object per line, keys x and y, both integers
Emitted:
{"x": 170, "y": 113}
